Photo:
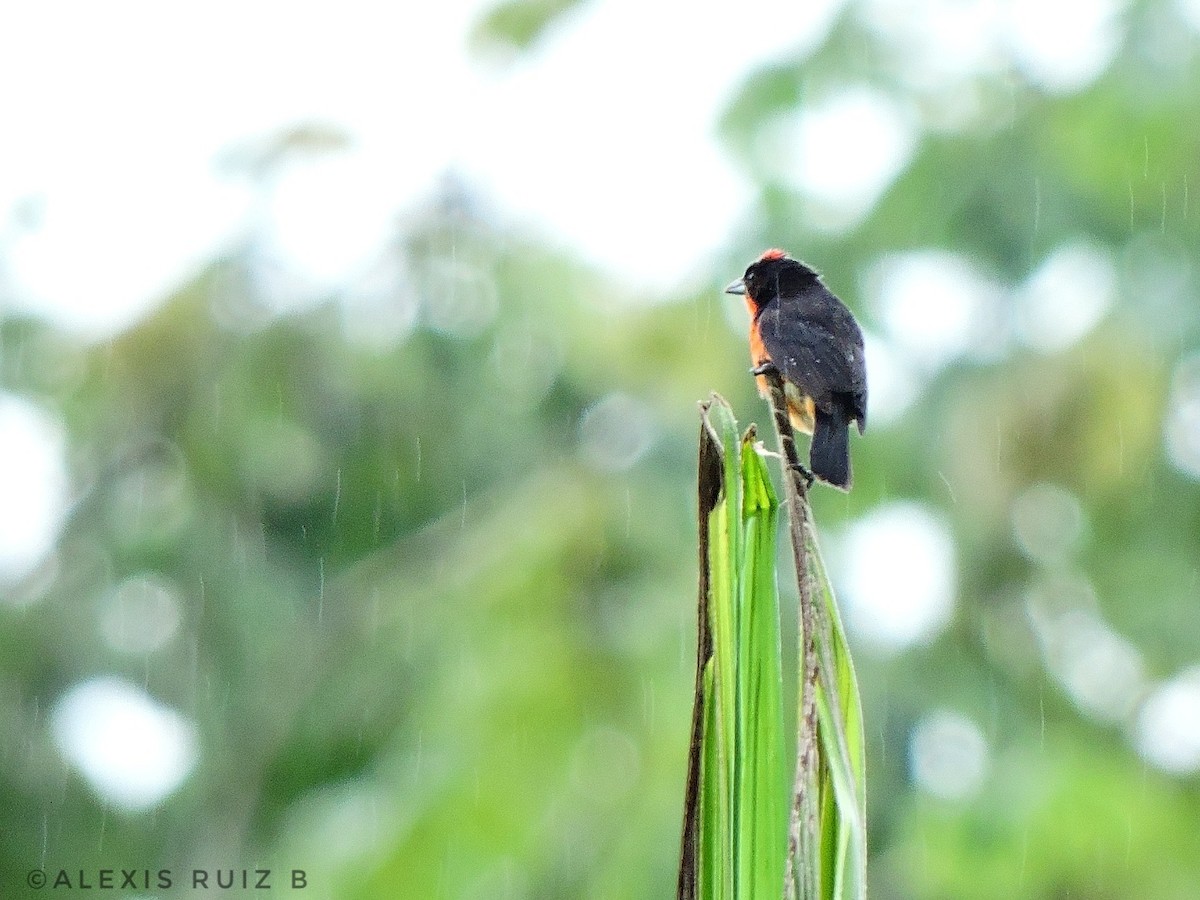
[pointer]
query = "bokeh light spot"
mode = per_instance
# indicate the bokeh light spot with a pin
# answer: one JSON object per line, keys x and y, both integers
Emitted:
{"x": 283, "y": 458}
{"x": 606, "y": 760}
{"x": 899, "y": 576}
{"x": 842, "y": 153}
{"x": 1063, "y": 47}
{"x": 1101, "y": 671}
{"x": 616, "y": 431}
{"x": 1066, "y": 296}
{"x": 526, "y": 362}
{"x": 948, "y": 755}
{"x": 1183, "y": 418}
{"x": 459, "y": 298}
{"x": 141, "y": 614}
{"x": 1047, "y": 522}
{"x": 133, "y": 751}
{"x": 933, "y": 304}
{"x": 1168, "y": 724}
{"x": 380, "y": 309}
{"x": 153, "y": 502}
{"x": 893, "y": 381}
{"x": 33, "y": 485}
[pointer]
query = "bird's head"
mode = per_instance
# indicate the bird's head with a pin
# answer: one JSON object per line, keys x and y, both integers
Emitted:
{"x": 772, "y": 274}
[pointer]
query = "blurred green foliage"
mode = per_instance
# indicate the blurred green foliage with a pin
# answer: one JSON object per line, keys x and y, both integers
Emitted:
{"x": 518, "y": 25}
{"x": 437, "y": 634}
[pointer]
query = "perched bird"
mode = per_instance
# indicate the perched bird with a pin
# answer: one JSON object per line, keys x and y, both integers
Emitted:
{"x": 801, "y": 329}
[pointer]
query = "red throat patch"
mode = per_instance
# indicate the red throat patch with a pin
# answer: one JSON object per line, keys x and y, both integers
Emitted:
{"x": 774, "y": 254}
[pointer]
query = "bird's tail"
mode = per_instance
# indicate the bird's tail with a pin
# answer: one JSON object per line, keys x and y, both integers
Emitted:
{"x": 829, "y": 455}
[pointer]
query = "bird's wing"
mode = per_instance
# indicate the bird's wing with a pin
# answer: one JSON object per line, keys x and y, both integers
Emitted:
{"x": 821, "y": 356}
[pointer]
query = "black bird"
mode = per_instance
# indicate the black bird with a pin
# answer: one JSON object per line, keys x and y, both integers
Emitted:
{"x": 801, "y": 329}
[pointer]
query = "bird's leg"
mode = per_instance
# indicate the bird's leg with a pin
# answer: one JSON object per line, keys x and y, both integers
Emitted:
{"x": 805, "y": 473}
{"x": 783, "y": 422}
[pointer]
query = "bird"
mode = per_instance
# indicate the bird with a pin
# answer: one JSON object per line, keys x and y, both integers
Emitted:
{"x": 800, "y": 329}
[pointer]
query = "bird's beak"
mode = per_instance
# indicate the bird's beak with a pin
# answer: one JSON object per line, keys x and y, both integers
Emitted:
{"x": 736, "y": 287}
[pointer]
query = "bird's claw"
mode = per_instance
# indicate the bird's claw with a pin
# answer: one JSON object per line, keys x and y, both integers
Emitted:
{"x": 804, "y": 473}
{"x": 765, "y": 368}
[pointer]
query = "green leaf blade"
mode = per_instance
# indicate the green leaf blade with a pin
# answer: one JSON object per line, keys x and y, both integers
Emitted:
{"x": 766, "y": 775}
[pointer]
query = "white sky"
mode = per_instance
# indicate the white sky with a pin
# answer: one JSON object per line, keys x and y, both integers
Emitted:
{"x": 113, "y": 115}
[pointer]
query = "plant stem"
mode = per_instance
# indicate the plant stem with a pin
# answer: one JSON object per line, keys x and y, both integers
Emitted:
{"x": 803, "y": 833}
